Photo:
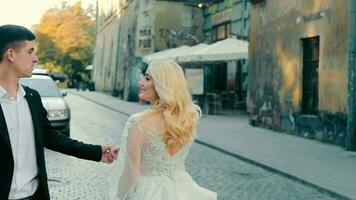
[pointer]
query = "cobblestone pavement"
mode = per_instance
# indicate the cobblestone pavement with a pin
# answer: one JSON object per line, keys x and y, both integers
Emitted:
{"x": 71, "y": 178}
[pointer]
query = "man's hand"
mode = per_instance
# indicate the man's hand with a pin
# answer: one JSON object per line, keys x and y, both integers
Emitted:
{"x": 109, "y": 153}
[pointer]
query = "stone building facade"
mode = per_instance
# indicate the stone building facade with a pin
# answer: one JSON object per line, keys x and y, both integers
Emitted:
{"x": 224, "y": 19}
{"x": 129, "y": 29}
{"x": 298, "y": 67}
{"x": 227, "y": 18}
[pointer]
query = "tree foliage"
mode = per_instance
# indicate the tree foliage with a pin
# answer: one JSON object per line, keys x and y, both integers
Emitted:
{"x": 65, "y": 38}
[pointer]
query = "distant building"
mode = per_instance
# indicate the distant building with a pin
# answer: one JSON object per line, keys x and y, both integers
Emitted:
{"x": 129, "y": 29}
{"x": 224, "y": 19}
{"x": 298, "y": 67}
{"x": 227, "y": 18}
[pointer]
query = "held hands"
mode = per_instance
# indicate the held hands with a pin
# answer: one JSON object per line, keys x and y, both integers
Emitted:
{"x": 109, "y": 153}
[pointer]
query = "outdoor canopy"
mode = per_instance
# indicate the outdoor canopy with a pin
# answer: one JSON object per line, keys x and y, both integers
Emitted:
{"x": 191, "y": 50}
{"x": 165, "y": 54}
{"x": 225, "y": 50}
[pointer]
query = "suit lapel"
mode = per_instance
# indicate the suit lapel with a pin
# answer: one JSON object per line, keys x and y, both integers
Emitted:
{"x": 33, "y": 109}
{"x": 3, "y": 128}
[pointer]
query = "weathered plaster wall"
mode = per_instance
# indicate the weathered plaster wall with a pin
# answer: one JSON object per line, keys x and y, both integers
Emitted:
{"x": 105, "y": 57}
{"x": 176, "y": 24}
{"x": 275, "y": 66}
{"x": 128, "y": 30}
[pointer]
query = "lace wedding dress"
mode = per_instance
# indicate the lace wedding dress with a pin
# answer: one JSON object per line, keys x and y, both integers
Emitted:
{"x": 150, "y": 172}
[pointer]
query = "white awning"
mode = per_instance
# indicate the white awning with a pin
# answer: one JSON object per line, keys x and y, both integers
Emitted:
{"x": 225, "y": 50}
{"x": 190, "y": 51}
{"x": 165, "y": 54}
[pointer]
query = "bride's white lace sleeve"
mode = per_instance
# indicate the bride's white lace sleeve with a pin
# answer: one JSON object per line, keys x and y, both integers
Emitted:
{"x": 130, "y": 156}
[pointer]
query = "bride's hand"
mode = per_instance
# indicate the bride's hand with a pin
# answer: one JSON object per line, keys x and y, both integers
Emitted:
{"x": 114, "y": 152}
{"x": 109, "y": 153}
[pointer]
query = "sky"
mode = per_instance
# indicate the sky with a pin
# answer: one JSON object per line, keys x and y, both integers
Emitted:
{"x": 29, "y": 12}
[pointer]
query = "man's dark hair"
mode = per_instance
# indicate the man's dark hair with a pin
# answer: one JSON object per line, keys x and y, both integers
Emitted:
{"x": 12, "y": 36}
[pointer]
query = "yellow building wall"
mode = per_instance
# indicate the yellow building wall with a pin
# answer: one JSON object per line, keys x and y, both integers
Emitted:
{"x": 275, "y": 51}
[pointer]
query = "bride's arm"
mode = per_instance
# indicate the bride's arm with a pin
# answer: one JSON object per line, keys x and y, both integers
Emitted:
{"x": 132, "y": 154}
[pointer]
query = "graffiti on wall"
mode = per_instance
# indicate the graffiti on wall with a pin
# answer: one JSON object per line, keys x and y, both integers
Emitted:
{"x": 144, "y": 38}
{"x": 144, "y": 43}
{"x": 175, "y": 38}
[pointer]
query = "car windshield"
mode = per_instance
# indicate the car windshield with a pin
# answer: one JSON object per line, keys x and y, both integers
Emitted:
{"x": 46, "y": 87}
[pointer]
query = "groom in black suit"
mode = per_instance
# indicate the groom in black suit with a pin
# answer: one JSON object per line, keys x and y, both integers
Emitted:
{"x": 24, "y": 127}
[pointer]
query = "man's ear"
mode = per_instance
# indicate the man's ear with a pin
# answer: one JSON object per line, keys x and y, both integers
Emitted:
{"x": 10, "y": 55}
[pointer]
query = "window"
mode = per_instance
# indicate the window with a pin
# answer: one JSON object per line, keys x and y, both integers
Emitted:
{"x": 221, "y": 32}
{"x": 228, "y": 30}
{"x": 214, "y": 37}
{"x": 310, "y": 75}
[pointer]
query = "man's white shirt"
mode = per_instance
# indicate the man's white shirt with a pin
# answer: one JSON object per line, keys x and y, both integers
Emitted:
{"x": 21, "y": 133}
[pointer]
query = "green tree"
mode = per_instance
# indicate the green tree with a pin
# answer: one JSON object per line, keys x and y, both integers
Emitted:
{"x": 65, "y": 38}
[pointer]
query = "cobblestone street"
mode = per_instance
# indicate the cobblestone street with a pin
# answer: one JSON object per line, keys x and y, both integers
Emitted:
{"x": 71, "y": 178}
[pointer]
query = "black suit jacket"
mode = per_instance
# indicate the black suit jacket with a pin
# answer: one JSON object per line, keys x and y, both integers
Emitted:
{"x": 45, "y": 136}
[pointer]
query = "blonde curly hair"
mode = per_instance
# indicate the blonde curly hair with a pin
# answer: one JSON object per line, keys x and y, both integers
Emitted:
{"x": 175, "y": 103}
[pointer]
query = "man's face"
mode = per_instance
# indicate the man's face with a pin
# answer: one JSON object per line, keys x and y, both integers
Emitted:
{"x": 24, "y": 59}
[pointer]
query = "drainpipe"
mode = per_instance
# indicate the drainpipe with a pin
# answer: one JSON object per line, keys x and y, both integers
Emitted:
{"x": 350, "y": 131}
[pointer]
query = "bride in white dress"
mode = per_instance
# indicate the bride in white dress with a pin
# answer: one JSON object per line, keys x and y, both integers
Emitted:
{"x": 156, "y": 141}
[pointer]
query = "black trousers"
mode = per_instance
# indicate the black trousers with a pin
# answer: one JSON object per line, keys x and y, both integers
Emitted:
{"x": 39, "y": 194}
